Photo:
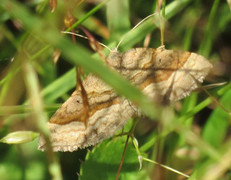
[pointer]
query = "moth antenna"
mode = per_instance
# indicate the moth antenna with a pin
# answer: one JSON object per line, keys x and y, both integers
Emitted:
{"x": 84, "y": 37}
{"x": 215, "y": 85}
{"x": 134, "y": 29}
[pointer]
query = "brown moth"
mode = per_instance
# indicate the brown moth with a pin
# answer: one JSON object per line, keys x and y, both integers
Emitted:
{"x": 163, "y": 75}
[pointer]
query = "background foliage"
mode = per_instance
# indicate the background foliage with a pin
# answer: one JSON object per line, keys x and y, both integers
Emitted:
{"x": 191, "y": 136}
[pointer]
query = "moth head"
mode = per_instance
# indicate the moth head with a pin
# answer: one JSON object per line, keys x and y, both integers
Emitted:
{"x": 114, "y": 59}
{"x": 164, "y": 58}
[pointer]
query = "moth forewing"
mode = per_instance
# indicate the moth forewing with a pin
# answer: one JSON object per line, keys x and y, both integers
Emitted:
{"x": 108, "y": 113}
{"x": 187, "y": 70}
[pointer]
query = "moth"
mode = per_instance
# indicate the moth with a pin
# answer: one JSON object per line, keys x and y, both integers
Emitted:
{"x": 163, "y": 75}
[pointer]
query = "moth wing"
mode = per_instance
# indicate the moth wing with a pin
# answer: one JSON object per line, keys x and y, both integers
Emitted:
{"x": 108, "y": 114}
{"x": 176, "y": 74}
{"x": 188, "y": 77}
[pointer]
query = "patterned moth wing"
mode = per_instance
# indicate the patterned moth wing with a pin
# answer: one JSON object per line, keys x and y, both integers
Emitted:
{"x": 165, "y": 76}
{"x": 108, "y": 112}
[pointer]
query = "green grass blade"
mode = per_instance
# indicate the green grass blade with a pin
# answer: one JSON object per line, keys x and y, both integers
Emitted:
{"x": 206, "y": 43}
{"x": 118, "y": 18}
{"x": 216, "y": 127}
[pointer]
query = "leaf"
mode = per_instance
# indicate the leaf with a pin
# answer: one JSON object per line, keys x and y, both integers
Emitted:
{"x": 217, "y": 124}
{"x": 103, "y": 162}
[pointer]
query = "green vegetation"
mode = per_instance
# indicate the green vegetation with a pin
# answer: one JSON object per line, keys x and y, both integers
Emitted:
{"x": 186, "y": 140}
